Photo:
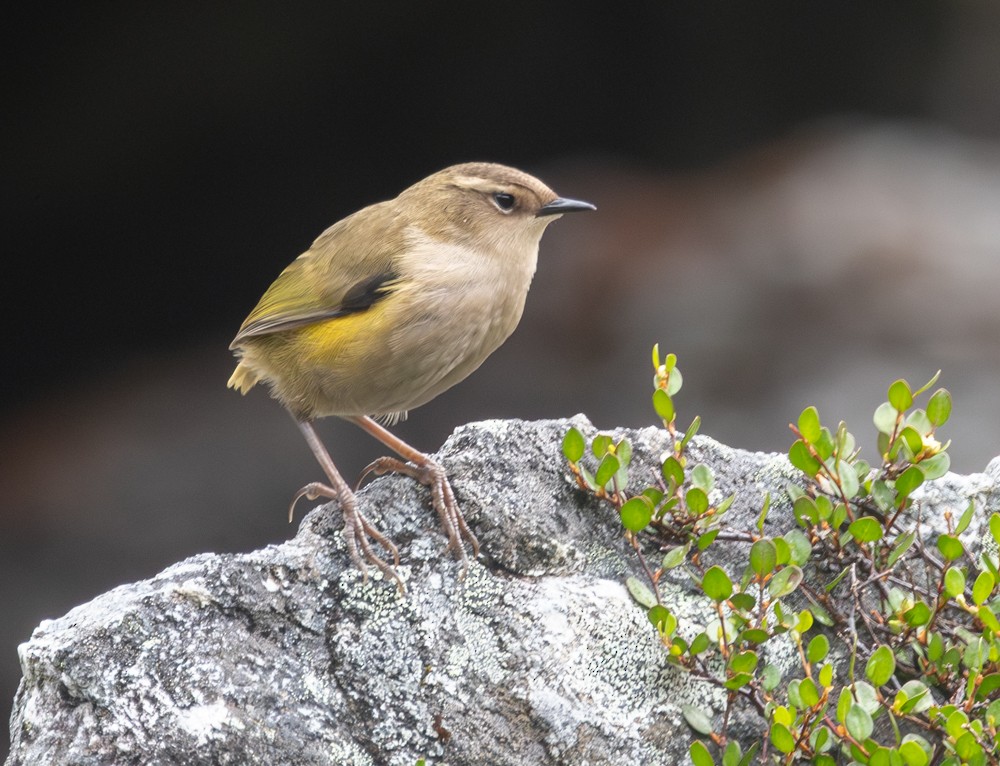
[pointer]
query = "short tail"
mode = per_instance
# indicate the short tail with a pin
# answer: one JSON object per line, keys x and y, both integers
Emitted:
{"x": 243, "y": 378}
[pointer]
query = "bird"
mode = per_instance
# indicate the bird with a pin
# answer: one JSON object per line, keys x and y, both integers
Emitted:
{"x": 390, "y": 307}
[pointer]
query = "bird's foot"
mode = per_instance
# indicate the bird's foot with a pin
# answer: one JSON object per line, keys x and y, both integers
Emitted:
{"x": 433, "y": 476}
{"x": 357, "y": 531}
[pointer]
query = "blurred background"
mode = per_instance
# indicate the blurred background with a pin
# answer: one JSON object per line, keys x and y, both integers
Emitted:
{"x": 799, "y": 199}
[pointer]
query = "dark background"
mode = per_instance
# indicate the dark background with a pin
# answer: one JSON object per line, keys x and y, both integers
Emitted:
{"x": 757, "y": 169}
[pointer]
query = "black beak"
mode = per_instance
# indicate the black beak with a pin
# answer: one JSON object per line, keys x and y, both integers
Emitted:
{"x": 561, "y": 205}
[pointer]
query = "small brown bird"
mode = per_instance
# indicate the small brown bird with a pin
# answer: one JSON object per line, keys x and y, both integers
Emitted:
{"x": 388, "y": 308}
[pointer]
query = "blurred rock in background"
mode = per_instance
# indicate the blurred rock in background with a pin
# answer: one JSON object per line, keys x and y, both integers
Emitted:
{"x": 801, "y": 204}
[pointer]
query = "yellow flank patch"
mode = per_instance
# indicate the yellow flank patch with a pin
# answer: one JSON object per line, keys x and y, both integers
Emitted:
{"x": 335, "y": 340}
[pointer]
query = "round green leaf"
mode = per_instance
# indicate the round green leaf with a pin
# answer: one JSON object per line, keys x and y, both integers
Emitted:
{"x": 939, "y": 407}
{"x": 696, "y": 500}
{"x": 744, "y": 662}
{"x": 954, "y": 581}
{"x": 743, "y": 601}
{"x": 866, "y": 529}
{"x": 818, "y": 648}
{"x": 636, "y": 513}
{"x": 662, "y": 620}
{"x": 936, "y": 466}
{"x": 700, "y": 755}
{"x": 782, "y": 738}
{"x": 784, "y": 582}
{"x": 913, "y": 754}
{"x": 573, "y": 445}
{"x": 885, "y": 418}
{"x": 899, "y": 396}
{"x": 917, "y": 615}
{"x": 640, "y": 592}
{"x": 608, "y": 467}
{"x": 982, "y": 588}
{"x": 716, "y": 584}
{"x": 601, "y": 444}
{"x": 950, "y": 547}
{"x": 697, "y": 719}
{"x": 770, "y": 677}
{"x": 763, "y": 557}
{"x": 673, "y": 472}
{"x": 909, "y": 480}
{"x": 800, "y": 457}
{"x": 808, "y": 692}
{"x": 859, "y": 723}
{"x": 801, "y": 548}
{"x": 881, "y": 665}
{"x": 809, "y": 425}
{"x": 784, "y": 551}
{"x": 676, "y": 556}
{"x": 663, "y": 405}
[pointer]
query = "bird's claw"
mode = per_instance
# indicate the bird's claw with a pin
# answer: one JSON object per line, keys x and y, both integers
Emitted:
{"x": 432, "y": 475}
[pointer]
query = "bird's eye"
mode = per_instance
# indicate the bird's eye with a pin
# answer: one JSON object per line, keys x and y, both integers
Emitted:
{"x": 504, "y": 201}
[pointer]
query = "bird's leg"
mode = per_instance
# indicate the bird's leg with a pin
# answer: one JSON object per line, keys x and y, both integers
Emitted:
{"x": 429, "y": 473}
{"x": 357, "y": 529}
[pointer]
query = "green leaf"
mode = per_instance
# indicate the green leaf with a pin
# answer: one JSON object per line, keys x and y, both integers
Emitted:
{"x": 700, "y": 755}
{"x": 903, "y": 543}
{"x": 737, "y": 681}
{"x": 701, "y": 476}
{"x": 881, "y": 665}
{"x": 988, "y": 619}
{"x": 697, "y": 719}
{"x": 988, "y": 685}
{"x": 661, "y": 618}
{"x": 859, "y": 723}
{"x": 866, "y": 529}
{"x": 826, "y": 675}
{"x": 939, "y": 407}
{"x": 800, "y": 457}
{"x": 899, "y": 396}
{"x": 806, "y": 511}
{"x": 809, "y": 425}
{"x": 928, "y": 384}
{"x": 784, "y": 582}
{"x": 696, "y": 501}
{"x": 950, "y": 547}
{"x": 700, "y": 643}
{"x": 731, "y": 755}
{"x": 818, "y": 648}
{"x": 675, "y": 381}
{"x": 716, "y": 584}
{"x": 912, "y": 439}
{"x": 707, "y": 539}
{"x": 755, "y": 635}
{"x": 885, "y": 418}
{"x": 954, "y": 581}
{"x": 673, "y": 472}
{"x": 801, "y": 548}
{"x": 601, "y": 444}
{"x": 770, "y": 677}
{"x": 909, "y": 480}
{"x": 782, "y": 738}
{"x": 809, "y": 692}
{"x": 636, "y": 513}
{"x": 783, "y": 550}
{"x": 573, "y": 445}
{"x": 982, "y": 588}
{"x": 936, "y": 466}
{"x": 656, "y": 357}
{"x": 763, "y": 557}
{"x": 608, "y": 467}
{"x": 995, "y": 527}
{"x": 966, "y": 519}
{"x": 913, "y": 754}
{"x": 640, "y": 592}
{"x": 692, "y": 430}
{"x": 663, "y": 405}
{"x": 917, "y": 615}
{"x": 744, "y": 662}
{"x": 743, "y": 601}
{"x": 676, "y": 556}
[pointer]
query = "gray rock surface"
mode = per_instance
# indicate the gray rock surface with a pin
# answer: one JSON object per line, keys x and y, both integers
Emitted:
{"x": 286, "y": 656}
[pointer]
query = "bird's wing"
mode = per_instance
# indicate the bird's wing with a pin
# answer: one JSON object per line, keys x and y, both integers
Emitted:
{"x": 340, "y": 274}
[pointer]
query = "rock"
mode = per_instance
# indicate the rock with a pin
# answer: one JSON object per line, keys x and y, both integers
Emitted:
{"x": 287, "y": 656}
